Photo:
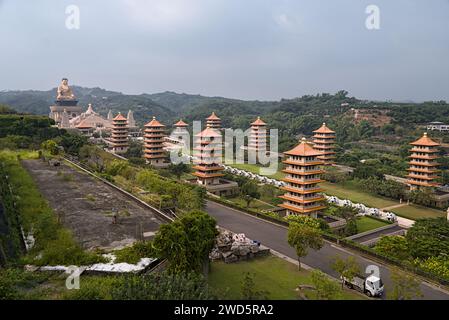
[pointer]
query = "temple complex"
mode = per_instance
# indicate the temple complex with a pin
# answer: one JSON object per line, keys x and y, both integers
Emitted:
{"x": 303, "y": 174}
{"x": 324, "y": 142}
{"x": 154, "y": 135}
{"x": 423, "y": 163}
{"x": 119, "y": 135}
{"x": 257, "y": 141}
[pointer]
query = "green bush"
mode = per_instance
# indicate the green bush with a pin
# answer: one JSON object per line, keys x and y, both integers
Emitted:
{"x": 435, "y": 265}
{"x": 134, "y": 253}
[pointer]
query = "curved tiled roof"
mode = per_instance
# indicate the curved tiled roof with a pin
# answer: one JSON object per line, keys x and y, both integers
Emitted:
{"x": 119, "y": 117}
{"x": 425, "y": 141}
{"x": 303, "y": 149}
{"x": 324, "y": 129}
{"x": 258, "y": 122}
{"x": 154, "y": 123}
{"x": 213, "y": 116}
{"x": 181, "y": 123}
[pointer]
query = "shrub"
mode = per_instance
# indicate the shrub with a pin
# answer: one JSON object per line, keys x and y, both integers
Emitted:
{"x": 134, "y": 253}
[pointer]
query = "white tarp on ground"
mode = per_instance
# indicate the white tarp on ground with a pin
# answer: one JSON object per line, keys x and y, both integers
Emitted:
{"x": 102, "y": 267}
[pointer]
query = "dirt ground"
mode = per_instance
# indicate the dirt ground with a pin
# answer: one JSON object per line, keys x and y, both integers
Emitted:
{"x": 86, "y": 206}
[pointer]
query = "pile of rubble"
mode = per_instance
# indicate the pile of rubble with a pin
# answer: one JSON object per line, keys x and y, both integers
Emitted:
{"x": 231, "y": 247}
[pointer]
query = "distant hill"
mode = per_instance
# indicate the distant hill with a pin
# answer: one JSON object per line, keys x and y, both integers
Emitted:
{"x": 38, "y": 102}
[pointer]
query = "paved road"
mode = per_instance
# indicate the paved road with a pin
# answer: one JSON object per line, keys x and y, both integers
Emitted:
{"x": 275, "y": 237}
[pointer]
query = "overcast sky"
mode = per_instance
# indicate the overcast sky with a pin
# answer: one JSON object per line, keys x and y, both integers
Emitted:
{"x": 250, "y": 49}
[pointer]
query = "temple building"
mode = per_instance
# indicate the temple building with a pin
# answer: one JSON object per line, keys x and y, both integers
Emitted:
{"x": 423, "y": 163}
{"x": 257, "y": 141}
{"x": 179, "y": 137}
{"x": 90, "y": 119}
{"x": 208, "y": 153}
{"x": 208, "y": 158}
{"x": 154, "y": 135}
{"x": 324, "y": 142}
{"x": 303, "y": 174}
{"x": 65, "y": 102}
{"x": 119, "y": 135}
{"x": 213, "y": 121}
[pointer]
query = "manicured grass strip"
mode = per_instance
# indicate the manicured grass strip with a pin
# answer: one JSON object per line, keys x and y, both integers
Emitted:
{"x": 254, "y": 168}
{"x": 351, "y": 192}
{"x": 271, "y": 274}
{"x": 367, "y": 223}
{"x": 415, "y": 212}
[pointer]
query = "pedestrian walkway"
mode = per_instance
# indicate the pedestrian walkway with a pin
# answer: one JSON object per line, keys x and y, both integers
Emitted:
{"x": 394, "y": 207}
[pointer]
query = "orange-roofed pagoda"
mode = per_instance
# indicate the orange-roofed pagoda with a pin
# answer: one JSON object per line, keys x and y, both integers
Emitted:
{"x": 303, "y": 174}
{"x": 258, "y": 137}
{"x": 324, "y": 140}
{"x": 154, "y": 135}
{"x": 423, "y": 163}
{"x": 213, "y": 121}
{"x": 181, "y": 125}
{"x": 119, "y": 134}
{"x": 207, "y": 151}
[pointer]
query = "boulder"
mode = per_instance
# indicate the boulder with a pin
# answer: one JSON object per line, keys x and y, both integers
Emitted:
{"x": 231, "y": 258}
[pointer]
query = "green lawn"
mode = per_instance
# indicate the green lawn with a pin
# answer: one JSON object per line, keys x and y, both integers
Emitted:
{"x": 254, "y": 168}
{"x": 351, "y": 192}
{"x": 366, "y": 223}
{"x": 277, "y": 277}
{"x": 254, "y": 204}
{"x": 415, "y": 212}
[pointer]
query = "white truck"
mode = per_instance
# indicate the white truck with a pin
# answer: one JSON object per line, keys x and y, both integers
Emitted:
{"x": 372, "y": 285}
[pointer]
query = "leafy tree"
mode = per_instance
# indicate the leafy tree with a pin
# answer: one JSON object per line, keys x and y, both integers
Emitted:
{"x": 349, "y": 214}
{"x": 393, "y": 246}
{"x": 50, "y": 146}
{"x": 248, "y": 289}
{"x": 302, "y": 237}
{"x": 179, "y": 169}
{"x": 249, "y": 191}
{"x": 405, "y": 287}
{"x": 326, "y": 288}
{"x": 94, "y": 157}
{"x": 348, "y": 268}
{"x": 423, "y": 196}
{"x": 363, "y": 171}
{"x": 308, "y": 221}
{"x": 186, "y": 242}
{"x": 134, "y": 150}
{"x": 428, "y": 238}
{"x": 72, "y": 143}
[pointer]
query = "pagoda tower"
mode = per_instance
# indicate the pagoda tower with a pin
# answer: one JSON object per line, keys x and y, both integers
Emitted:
{"x": 119, "y": 134}
{"x": 258, "y": 137}
{"x": 324, "y": 142}
{"x": 207, "y": 152}
{"x": 213, "y": 121}
{"x": 181, "y": 127}
{"x": 154, "y": 136}
{"x": 423, "y": 165}
{"x": 303, "y": 174}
